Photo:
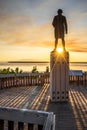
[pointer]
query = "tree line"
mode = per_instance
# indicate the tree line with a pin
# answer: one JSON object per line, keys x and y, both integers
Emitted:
{"x": 18, "y": 70}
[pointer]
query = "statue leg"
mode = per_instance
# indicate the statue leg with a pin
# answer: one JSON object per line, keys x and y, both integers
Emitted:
{"x": 56, "y": 42}
{"x": 63, "y": 43}
{"x": 56, "y": 38}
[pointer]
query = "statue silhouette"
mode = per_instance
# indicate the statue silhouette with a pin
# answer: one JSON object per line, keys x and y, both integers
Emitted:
{"x": 60, "y": 27}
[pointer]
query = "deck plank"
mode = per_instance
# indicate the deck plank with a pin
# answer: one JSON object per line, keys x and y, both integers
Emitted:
{"x": 70, "y": 115}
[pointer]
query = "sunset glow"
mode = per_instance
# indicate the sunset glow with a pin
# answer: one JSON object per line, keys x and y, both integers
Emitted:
{"x": 60, "y": 50}
{"x": 26, "y": 31}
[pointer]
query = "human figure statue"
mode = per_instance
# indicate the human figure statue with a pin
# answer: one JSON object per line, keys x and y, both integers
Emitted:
{"x": 60, "y": 28}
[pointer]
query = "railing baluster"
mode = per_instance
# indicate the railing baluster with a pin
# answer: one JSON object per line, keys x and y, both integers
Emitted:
{"x": 1, "y": 124}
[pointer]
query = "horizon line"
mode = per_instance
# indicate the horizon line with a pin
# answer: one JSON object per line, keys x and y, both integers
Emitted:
{"x": 38, "y": 62}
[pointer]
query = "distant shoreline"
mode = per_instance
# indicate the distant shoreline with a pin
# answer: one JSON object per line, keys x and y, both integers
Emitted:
{"x": 37, "y": 62}
{"x": 28, "y": 61}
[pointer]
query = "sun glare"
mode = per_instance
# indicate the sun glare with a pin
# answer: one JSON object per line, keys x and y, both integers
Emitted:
{"x": 60, "y": 50}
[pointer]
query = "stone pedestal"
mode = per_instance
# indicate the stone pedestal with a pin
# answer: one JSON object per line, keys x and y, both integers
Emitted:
{"x": 59, "y": 76}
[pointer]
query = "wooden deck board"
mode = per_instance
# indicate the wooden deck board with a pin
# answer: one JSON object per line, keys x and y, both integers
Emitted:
{"x": 70, "y": 115}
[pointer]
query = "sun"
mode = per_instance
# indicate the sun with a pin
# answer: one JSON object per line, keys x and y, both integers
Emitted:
{"x": 59, "y": 50}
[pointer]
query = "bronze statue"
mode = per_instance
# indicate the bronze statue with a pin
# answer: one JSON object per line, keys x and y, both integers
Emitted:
{"x": 60, "y": 27}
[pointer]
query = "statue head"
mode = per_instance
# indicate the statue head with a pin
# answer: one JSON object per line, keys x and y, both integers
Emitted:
{"x": 60, "y": 11}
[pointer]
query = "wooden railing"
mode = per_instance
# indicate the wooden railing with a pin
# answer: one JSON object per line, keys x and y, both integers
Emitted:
{"x": 30, "y": 79}
{"x": 20, "y": 119}
{"x": 78, "y": 79}
{"x": 24, "y": 79}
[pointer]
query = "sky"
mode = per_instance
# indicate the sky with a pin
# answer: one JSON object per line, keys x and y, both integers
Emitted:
{"x": 26, "y": 31}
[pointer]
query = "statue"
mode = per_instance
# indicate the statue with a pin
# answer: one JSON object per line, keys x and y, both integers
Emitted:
{"x": 60, "y": 27}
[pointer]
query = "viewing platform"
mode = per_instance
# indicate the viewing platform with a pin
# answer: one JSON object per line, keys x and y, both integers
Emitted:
{"x": 25, "y": 91}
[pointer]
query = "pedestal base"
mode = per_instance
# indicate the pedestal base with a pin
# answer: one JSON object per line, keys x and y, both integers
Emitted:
{"x": 59, "y": 76}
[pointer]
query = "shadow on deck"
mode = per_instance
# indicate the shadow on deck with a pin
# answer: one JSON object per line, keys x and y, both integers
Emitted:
{"x": 69, "y": 116}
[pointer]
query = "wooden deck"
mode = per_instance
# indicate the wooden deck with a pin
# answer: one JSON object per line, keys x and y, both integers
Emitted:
{"x": 69, "y": 116}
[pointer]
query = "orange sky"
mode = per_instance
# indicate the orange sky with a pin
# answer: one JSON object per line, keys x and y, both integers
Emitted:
{"x": 26, "y": 31}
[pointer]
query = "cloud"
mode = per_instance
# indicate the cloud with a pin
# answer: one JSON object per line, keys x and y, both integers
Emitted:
{"x": 28, "y": 23}
{"x": 21, "y": 31}
{"x": 76, "y": 45}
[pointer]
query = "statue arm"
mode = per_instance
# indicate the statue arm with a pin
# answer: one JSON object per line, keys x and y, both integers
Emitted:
{"x": 66, "y": 28}
{"x": 54, "y": 22}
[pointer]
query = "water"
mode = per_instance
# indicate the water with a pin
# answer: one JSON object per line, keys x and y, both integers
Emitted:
{"x": 41, "y": 67}
{"x": 78, "y": 66}
{"x": 26, "y": 67}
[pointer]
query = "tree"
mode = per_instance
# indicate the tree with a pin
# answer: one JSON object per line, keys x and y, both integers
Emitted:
{"x": 34, "y": 70}
{"x": 47, "y": 69}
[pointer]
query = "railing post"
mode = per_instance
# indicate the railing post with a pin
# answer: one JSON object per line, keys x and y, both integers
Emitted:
{"x": 2, "y": 83}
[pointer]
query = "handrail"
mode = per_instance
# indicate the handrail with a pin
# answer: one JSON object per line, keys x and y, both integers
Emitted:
{"x": 40, "y": 118}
